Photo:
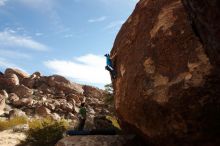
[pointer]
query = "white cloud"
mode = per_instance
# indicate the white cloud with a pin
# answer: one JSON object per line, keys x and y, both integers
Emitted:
{"x": 2, "y": 2}
{"x": 115, "y": 24}
{"x": 13, "y": 54}
{"x": 12, "y": 40}
{"x": 87, "y": 69}
{"x": 100, "y": 19}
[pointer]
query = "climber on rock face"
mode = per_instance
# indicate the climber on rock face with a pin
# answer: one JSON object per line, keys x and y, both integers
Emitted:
{"x": 109, "y": 66}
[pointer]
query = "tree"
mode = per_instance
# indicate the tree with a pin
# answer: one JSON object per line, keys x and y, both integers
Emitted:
{"x": 109, "y": 93}
{"x": 109, "y": 88}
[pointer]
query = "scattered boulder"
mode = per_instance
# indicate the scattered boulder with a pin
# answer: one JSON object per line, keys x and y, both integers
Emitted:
{"x": 42, "y": 111}
{"x": 77, "y": 87}
{"x": 21, "y": 128}
{"x": 55, "y": 117}
{"x": 22, "y": 91}
{"x": 67, "y": 107}
{"x": 29, "y": 82}
{"x": 3, "y": 82}
{"x": 56, "y": 103}
{"x": 62, "y": 84}
{"x": 93, "y": 92}
{"x": 75, "y": 97}
{"x": 29, "y": 111}
{"x": 36, "y": 75}
{"x": 13, "y": 97}
{"x": 51, "y": 106}
{"x": 71, "y": 116}
{"x": 12, "y": 80}
{"x": 24, "y": 102}
{"x": 3, "y": 95}
{"x": 16, "y": 113}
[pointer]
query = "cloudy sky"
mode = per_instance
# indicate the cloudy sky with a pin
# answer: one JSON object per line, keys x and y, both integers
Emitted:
{"x": 66, "y": 37}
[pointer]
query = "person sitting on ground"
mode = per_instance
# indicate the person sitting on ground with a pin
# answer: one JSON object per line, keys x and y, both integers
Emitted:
{"x": 109, "y": 66}
{"x": 82, "y": 116}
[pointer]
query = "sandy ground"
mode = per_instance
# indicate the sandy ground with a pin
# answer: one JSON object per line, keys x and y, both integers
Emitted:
{"x": 10, "y": 138}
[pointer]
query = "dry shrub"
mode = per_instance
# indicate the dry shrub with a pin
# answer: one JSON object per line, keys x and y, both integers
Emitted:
{"x": 7, "y": 124}
{"x": 45, "y": 132}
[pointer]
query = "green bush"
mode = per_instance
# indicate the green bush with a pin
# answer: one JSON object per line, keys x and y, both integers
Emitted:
{"x": 45, "y": 132}
{"x": 7, "y": 124}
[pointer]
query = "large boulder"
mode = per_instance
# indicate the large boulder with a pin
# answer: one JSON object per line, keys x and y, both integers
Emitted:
{"x": 3, "y": 82}
{"x": 23, "y": 102}
{"x": 73, "y": 98}
{"x": 90, "y": 91}
{"x": 16, "y": 113}
{"x": 12, "y": 79}
{"x": 68, "y": 107}
{"x": 62, "y": 84}
{"x": 42, "y": 111}
{"x": 3, "y": 96}
{"x": 13, "y": 98}
{"x": 29, "y": 82}
{"x": 22, "y": 91}
{"x": 167, "y": 85}
{"x": 55, "y": 117}
{"x": 21, "y": 74}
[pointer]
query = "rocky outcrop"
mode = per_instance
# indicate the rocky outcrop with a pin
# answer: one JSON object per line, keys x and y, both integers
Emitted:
{"x": 46, "y": 96}
{"x": 167, "y": 86}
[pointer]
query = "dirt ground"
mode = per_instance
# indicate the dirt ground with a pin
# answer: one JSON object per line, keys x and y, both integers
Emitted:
{"x": 10, "y": 138}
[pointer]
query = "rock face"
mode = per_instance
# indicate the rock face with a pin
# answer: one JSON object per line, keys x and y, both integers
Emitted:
{"x": 167, "y": 86}
{"x": 205, "y": 17}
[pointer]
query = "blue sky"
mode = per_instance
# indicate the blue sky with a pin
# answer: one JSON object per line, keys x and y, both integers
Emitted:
{"x": 66, "y": 37}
